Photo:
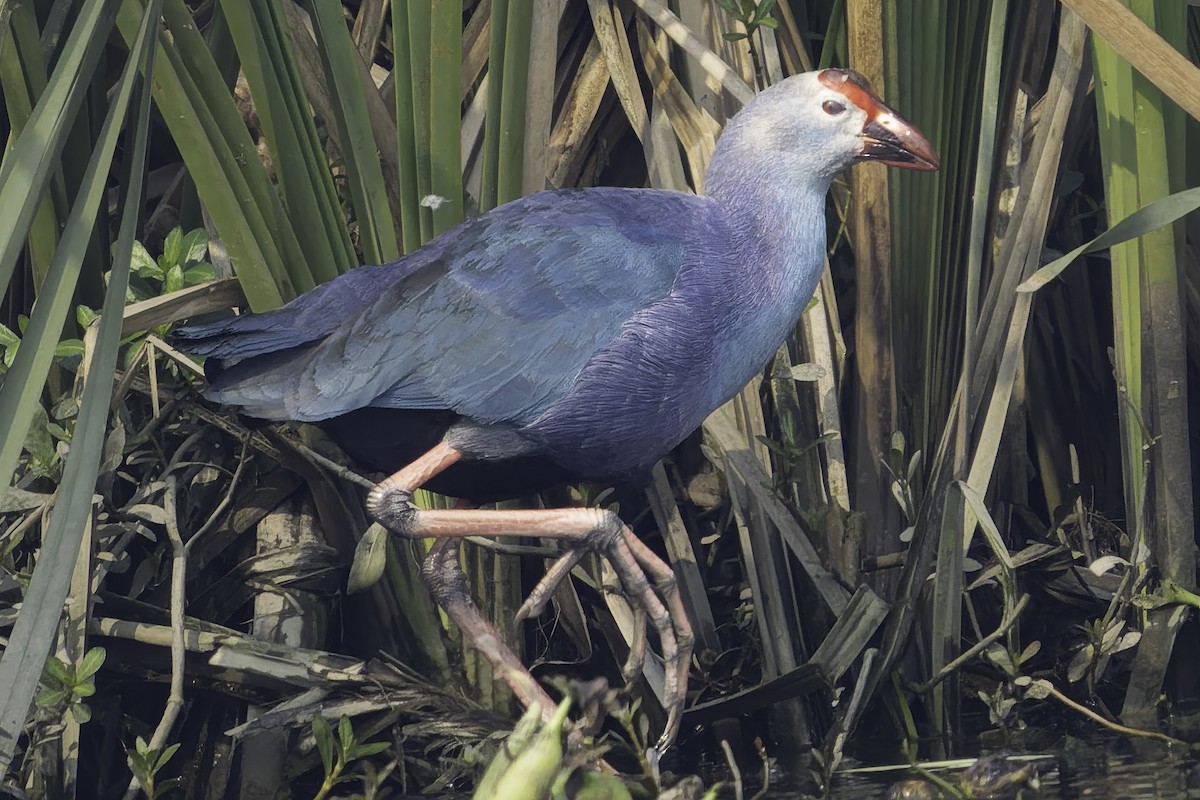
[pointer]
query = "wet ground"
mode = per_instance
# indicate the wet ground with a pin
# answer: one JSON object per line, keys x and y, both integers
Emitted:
{"x": 1099, "y": 765}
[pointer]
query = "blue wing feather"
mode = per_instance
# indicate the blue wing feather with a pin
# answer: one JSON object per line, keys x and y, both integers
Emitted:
{"x": 493, "y": 320}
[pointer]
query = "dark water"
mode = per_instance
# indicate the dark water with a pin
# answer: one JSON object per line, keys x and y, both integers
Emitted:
{"x": 1100, "y": 766}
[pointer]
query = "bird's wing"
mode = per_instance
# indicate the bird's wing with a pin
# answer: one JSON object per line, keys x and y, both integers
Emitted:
{"x": 309, "y": 318}
{"x": 493, "y": 320}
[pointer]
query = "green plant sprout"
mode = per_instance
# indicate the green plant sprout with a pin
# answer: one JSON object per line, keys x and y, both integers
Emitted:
{"x": 145, "y": 762}
{"x": 67, "y": 688}
{"x": 338, "y": 753}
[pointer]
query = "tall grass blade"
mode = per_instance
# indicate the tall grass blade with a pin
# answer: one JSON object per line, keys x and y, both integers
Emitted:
{"x": 376, "y": 234}
{"x": 875, "y": 413}
{"x": 23, "y": 82}
{"x": 1151, "y": 368}
{"x": 219, "y": 154}
{"x": 406, "y": 130}
{"x": 510, "y": 169}
{"x": 301, "y": 168}
{"x": 946, "y": 627}
{"x": 420, "y": 54}
{"x": 1151, "y": 217}
{"x": 445, "y": 117}
{"x": 539, "y": 106}
{"x": 35, "y": 628}
{"x": 26, "y": 168}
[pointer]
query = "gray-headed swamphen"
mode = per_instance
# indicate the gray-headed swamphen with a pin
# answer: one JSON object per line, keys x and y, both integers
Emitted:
{"x": 569, "y": 335}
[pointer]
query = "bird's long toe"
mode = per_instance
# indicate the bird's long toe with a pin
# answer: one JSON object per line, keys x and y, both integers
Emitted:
{"x": 668, "y": 589}
{"x": 642, "y": 595}
{"x": 637, "y": 648}
{"x": 537, "y": 600}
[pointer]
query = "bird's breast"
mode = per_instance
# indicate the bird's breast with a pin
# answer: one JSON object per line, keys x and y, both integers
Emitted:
{"x": 666, "y": 372}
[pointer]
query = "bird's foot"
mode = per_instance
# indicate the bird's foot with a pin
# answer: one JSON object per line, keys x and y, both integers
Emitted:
{"x": 649, "y": 582}
{"x": 392, "y": 508}
{"x": 390, "y": 501}
{"x": 652, "y": 591}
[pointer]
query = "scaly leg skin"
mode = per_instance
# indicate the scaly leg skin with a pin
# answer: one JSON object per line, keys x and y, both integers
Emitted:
{"x": 586, "y": 528}
{"x": 448, "y": 585}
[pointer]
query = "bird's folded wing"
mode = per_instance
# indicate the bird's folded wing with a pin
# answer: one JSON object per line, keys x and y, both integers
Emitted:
{"x": 493, "y": 320}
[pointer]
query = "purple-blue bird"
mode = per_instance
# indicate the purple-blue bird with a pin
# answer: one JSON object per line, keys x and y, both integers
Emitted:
{"x": 569, "y": 335}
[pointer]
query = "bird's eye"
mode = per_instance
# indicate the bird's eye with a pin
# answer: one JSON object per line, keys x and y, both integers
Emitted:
{"x": 832, "y": 107}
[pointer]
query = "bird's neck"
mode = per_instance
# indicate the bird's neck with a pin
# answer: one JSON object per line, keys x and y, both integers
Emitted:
{"x": 778, "y": 222}
{"x": 776, "y": 255}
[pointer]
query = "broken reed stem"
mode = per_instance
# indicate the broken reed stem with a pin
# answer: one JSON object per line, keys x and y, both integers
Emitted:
{"x": 178, "y": 651}
{"x": 733, "y": 768}
{"x": 126, "y": 378}
{"x": 18, "y": 531}
{"x": 766, "y": 764}
{"x": 1113, "y": 726}
{"x": 1009, "y": 620}
{"x": 340, "y": 470}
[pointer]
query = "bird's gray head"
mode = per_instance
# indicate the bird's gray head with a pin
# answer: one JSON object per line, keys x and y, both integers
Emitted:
{"x": 809, "y": 127}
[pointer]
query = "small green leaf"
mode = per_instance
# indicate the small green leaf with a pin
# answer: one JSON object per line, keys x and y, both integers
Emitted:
{"x": 174, "y": 279}
{"x": 81, "y": 713}
{"x": 68, "y": 348}
{"x": 195, "y": 246}
{"x": 200, "y": 273}
{"x": 144, "y": 264}
{"x": 734, "y": 37}
{"x": 148, "y": 512}
{"x": 84, "y": 689}
{"x": 365, "y": 750}
{"x": 164, "y": 756}
{"x": 85, "y": 315}
{"x": 346, "y": 734}
{"x": 57, "y": 672}
{"x": 8, "y": 338}
{"x": 58, "y": 431}
{"x": 91, "y": 662}
{"x": 172, "y": 249}
{"x": 51, "y": 698}
{"x": 40, "y": 444}
{"x": 324, "y": 739}
{"x": 769, "y": 22}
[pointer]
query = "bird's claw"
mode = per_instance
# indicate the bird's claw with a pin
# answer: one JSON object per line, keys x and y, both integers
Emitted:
{"x": 650, "y": 586}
